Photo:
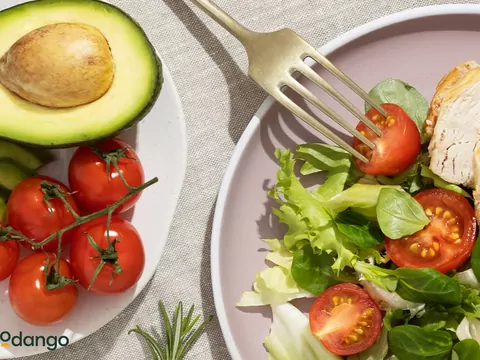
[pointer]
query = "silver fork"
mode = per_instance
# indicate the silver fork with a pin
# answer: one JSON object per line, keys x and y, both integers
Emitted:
{"x": 273, "y": 59}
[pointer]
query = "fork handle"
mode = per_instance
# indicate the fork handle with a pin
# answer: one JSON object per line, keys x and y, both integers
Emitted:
{"x": 225, "y": 20}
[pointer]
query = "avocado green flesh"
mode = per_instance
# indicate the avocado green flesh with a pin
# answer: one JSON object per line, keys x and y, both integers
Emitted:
{"x": 135, "y": 88}
{"x": 11, "y": 175}
{"x": 28, "y": 159}
{"x": 3, "y": 208}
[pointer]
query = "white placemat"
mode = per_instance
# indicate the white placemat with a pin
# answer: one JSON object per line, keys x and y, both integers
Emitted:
{"x": 208, "y": 66}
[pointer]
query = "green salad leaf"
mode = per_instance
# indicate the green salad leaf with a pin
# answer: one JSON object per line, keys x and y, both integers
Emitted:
{"x": 436, "y": 317}
{"x": 313, "y": 272}
{"x": 356, "y": 197}
{"x": 470, "y": 304}
{"x": 475, "y": 259}
{"x": 467, "y": 349}
{"x": 385, "y": 278}
{"x": 358, "y": 229}
{"x": 398, "y": 92}
{"x": 274, "y": 285}
{"x": 438, "y": 182}
{"x": 290, "y": 337}
{"x": 427, "y": 286}
{"x": 279, "y": 254}
{"x": 378, "y": 351}
{"x": 399, "y": 214}
{"x": 410, "y": 342}
{"x": 322, "y": 157}
{"x": 415, "y": 285}
{"x": 310, "y": 219}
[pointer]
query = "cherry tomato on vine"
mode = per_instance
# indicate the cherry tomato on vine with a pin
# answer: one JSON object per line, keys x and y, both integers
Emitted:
{"x": 28, "y": 212}
{"x": 97, "y": 187}
{"x": 127, "y": 254}
{"x": 29, "y": 298}
{"x": 446, "y": 242}
{"x": 345, "y": 319}
{"x": 396, "y": 149}
{"x": 9, "y": 254}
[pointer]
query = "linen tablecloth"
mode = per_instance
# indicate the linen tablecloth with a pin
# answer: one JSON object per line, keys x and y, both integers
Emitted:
{"x": 209, "y": 67}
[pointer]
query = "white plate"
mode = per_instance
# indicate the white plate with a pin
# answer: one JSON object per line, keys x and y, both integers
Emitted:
{"x": 162, "y": 130}
{"x": 409, "y": 45}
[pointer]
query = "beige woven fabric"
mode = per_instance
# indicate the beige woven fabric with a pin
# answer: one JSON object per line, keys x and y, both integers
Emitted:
{"x": 208, "y": 66}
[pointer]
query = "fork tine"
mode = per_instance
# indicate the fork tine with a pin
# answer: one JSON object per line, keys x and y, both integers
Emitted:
{"x": 322, "y": 60}
{"x": 320, "y": 82}
{"x": 314, "y": 123}
{"x": 307, "y": 94}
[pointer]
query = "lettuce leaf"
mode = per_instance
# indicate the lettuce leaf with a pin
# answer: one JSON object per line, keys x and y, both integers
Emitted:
{"x": 290, "y": 337}
{"x": 306, "y": 218}
{"x": 322, "y": 157}
{"x": 273, "y": 285}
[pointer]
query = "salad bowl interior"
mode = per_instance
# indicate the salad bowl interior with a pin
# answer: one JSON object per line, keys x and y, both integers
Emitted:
{"x": 419, "y": 47}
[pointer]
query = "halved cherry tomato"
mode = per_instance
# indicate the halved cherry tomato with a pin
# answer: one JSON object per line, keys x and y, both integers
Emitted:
{"x": 446, "y": 242}
{"x": 130, "y": 250}
{"x": 97, "y": 187}
{"x": 9, "y": 254}
{"x": 28, "y": 212}
{"x": 29, "y": 298}
{"x": 396, "y": 149}
{"x": 345, "y": 319}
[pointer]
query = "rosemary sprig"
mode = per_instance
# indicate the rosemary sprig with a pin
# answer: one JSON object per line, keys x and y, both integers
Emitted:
{"x": 180, "y": 335}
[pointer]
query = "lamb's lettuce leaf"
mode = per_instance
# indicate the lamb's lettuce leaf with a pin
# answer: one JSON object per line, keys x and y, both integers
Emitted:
{"x": 399, "y": 92}
{"x": 399, "y": 214}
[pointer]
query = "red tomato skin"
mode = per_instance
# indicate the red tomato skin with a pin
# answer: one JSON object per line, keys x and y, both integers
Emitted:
{"x": 88, "y": 177}
{"x": 131, "y": 256}
{"x": 456, "y": 204}
{"x": 33, "y": 303}
{"x": 362, "y": 301}
{"x": 400, "y": 143}
{"x": 28, "y": 213}
{"x": 9, "y": 255}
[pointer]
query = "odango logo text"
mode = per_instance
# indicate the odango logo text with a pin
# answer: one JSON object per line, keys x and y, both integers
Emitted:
{"x": 50, "y": 342}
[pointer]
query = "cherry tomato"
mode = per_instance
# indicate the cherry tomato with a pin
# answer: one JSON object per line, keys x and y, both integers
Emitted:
{"x": 345, "y": 319}
{"x": 9, "y": 254}
{"x": 396, "y": 149}
{"x": 446, "y": 242}
{"x": 131, "y": 256}
{"x": 29, "y": 298}
{"x": 28, "y": 212}
{"x": 95, "y": 187}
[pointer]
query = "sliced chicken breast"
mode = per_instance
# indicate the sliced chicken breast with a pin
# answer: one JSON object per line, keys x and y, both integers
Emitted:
{"x": 454, "y": 124}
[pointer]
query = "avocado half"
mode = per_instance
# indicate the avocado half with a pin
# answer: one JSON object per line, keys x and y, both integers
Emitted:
{"x": 137, "y": 81}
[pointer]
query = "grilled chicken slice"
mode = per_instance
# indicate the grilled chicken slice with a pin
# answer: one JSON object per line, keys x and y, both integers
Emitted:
{"x": 476, "y": 179}
{"x": 454, "y": 125}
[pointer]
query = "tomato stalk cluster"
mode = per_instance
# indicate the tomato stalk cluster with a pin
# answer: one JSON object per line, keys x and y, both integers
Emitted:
{"x": 53, "y": 278}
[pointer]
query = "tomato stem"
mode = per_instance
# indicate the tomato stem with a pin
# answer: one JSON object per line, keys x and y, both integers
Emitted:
{"x": 52, "y": 191}
{"x": 53, "y": 278}
{"x": 84, "y": 219}
{"x": 111, "y": 158}
{"x": 108, "y": 255}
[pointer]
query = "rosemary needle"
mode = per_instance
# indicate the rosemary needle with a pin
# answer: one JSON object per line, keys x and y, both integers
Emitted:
{"x": 180, "y": 334}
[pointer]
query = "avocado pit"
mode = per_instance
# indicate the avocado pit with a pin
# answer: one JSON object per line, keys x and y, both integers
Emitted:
{"x": 59, "y": 65}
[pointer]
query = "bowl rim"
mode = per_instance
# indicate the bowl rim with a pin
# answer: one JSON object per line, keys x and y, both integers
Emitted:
{"x": 341, "y": 40}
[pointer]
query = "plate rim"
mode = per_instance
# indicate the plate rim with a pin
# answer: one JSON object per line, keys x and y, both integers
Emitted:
{"x": 332, "y": 45}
